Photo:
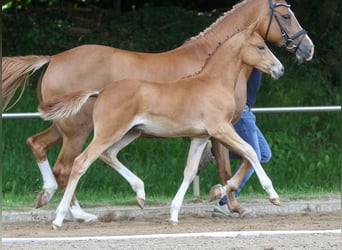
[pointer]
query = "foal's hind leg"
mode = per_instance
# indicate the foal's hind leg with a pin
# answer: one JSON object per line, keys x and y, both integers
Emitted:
{"x": 102, "y": 141}
{"x": 74, "y": 137}
{"x": 109, "y": 157}
{"x": 79, "y": 167}
{"x": 39, "y": 144}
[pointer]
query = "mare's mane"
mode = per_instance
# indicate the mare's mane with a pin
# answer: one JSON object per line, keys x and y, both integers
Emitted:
{"x": 214, "y": 24}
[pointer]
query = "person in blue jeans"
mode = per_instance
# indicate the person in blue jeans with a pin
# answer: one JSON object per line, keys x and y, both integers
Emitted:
{"x": 248, "y": 130}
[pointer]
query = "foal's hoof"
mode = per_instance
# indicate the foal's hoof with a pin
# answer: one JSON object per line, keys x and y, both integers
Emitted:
{"x": 173, "y": 223}
{"x": 215, "y": 192}
{"x": 90, "y": 219}
{"x": 42, "y": 198}
{"x": 140, "y": 202}
{"x": 275, "y": 201}
{"x": 55, "y": 226}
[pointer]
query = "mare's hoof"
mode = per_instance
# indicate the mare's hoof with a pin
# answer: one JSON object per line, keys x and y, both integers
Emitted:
{"x": 140, "y": 202}
{"x": 215, "y": 192}
{"x": 275, "y": 201}
{"x": 248, "y": 214}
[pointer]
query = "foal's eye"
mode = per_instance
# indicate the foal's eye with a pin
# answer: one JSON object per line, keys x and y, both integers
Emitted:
{"x": 286, "y": 16}
{"x": 261, "y": 47}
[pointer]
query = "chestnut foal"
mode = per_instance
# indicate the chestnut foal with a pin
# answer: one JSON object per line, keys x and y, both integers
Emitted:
{"x": 127, "y": 108}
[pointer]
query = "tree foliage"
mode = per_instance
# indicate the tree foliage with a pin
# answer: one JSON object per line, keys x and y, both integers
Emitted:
{"x": 320, "y": 18}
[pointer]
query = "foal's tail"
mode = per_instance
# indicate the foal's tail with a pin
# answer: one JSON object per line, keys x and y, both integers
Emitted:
{"x": 16, "y": 71}
{"x": 65, "y": 106}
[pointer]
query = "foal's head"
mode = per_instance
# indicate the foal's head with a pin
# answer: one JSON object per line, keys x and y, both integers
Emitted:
{"x": 255, "y": 53}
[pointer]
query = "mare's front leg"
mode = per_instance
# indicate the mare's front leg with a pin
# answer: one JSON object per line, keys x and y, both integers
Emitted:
{"x": 227, "y": 135}
{"x": 218, "y": 191}
{"x": 196, "y": 149}
{"x": 221, "y": 154}
{"x": 39, "y": 144}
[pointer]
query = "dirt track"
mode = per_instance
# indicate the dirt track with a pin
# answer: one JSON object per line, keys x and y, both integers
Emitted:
{"x": 188, "y": 223}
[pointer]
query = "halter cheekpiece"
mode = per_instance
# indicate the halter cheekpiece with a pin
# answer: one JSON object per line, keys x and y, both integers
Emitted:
{"x": 290, "y": 43}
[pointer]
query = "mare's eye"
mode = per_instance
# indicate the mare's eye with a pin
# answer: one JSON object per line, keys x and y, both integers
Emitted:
{"x": 261, "y": 47}
{"x": 286, "y": 16}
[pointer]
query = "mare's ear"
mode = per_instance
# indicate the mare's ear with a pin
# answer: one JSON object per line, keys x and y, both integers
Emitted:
{"x": 251, "y": 28}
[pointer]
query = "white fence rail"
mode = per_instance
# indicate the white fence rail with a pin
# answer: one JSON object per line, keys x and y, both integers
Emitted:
{"x": 256, "y": 110}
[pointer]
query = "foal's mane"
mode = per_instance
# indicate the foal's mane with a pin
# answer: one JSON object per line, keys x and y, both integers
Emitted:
{"x": 213, "y": 25}
{"x": 211, "y": 54}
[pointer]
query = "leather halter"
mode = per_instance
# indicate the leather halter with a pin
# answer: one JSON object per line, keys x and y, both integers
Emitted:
{"x": 290, "y": 43}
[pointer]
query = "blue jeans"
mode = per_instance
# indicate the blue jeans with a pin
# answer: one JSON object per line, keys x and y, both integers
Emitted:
{"x": 248, "y": 130}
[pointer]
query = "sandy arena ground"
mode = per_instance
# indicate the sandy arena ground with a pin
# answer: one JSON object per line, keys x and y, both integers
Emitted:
{"x": 188, "y": 223}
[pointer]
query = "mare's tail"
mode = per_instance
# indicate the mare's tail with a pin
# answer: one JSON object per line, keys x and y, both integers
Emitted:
{"x": 16, "y": 71}
{"x": 65, "y": 106}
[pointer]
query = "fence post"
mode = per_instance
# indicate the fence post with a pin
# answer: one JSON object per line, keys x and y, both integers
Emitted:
{"x": 196, "y": 186}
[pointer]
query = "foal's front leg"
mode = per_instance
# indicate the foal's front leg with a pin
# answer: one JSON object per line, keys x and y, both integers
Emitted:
{"x": 225, "y": 133}
{"x": 195, "y": 152}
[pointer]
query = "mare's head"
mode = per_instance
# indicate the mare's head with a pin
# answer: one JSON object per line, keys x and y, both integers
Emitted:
{"x": 280, "y": 26}
{"x": 254, "y": 52}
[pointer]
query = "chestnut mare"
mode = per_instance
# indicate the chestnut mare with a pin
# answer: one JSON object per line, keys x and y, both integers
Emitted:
{"x": 93, "y": 66}
{"x": 128, "y": 108}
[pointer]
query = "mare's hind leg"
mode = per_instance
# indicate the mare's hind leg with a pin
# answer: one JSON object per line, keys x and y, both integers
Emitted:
{"x": 109, "y": 157}
{"x": 39, "y": 144}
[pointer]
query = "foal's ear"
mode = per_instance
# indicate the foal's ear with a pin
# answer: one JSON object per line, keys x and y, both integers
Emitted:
{"x": 251, "y": 28}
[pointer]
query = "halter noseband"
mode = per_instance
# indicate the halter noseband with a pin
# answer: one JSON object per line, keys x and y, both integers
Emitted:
{"x": 290, "y": 43}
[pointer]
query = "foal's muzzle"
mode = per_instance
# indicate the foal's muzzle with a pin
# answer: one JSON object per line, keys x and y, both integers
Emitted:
{"x": 277, "y": 71}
